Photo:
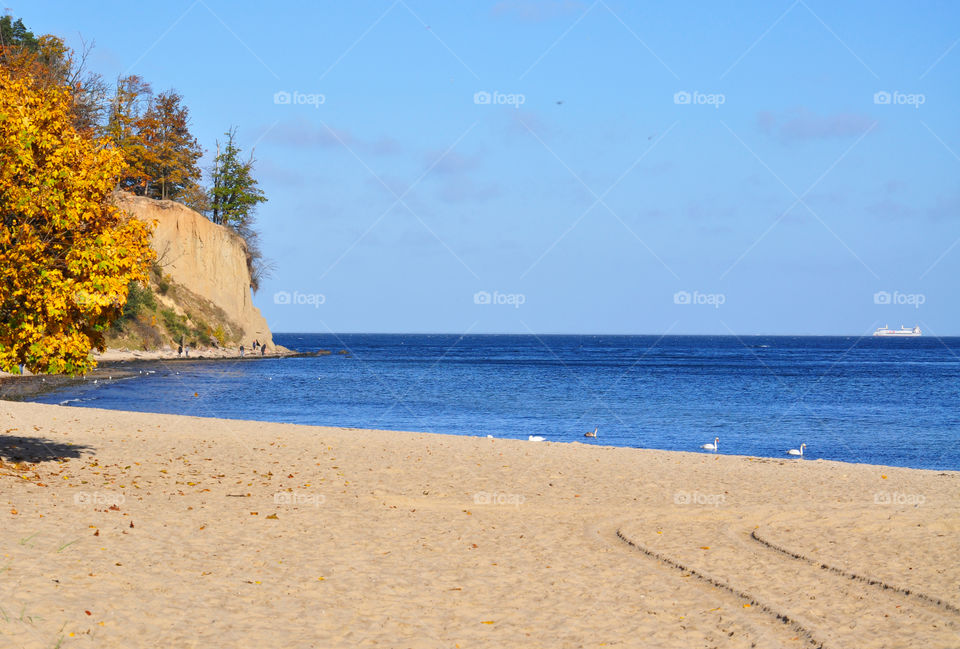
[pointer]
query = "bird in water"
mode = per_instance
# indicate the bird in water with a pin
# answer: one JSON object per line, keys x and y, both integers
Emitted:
{"x": 714, "y": 446}
{"x": 794, "y": 451}
{"x": 593, "y": 434}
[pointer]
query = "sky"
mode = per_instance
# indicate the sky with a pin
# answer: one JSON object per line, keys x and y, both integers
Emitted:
{"x": 565, "y": 166}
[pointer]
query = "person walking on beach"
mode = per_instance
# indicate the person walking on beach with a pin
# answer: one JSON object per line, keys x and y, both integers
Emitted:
{"x": 241, "y": 351}
{"x": 263, "y": 350}
{"x": 179, "y": 351}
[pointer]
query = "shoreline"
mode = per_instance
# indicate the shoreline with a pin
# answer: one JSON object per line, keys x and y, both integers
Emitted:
{"x": 785, "y": 460}
{"x": 15, "y": 389}
{"x": 144, "y": 530}
{"x": 19, "y": 387}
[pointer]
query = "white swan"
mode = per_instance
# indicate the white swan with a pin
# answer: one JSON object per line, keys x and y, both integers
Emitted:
{"x": 593, "y": 434}
{"x": 536, "y": 438}
{"x": 714, "y": 446}
{"x": 794, "y": 451}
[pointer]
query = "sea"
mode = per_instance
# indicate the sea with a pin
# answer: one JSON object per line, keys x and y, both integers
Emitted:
{"x": 887, "y": 401}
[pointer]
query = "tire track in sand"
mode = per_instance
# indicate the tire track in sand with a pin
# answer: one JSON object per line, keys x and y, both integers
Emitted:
{"x": 828, "y": 607}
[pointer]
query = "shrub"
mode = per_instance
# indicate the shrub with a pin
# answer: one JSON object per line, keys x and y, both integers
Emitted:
{"x": 176, "y": 324}
{"x": 139, "y": 299}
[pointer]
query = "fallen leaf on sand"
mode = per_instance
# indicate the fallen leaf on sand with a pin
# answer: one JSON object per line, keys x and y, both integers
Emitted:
{"x": 486, "y": 622}
{"x": 273, "y": 517}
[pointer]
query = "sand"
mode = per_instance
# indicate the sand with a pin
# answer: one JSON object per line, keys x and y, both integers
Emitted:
{"x": 142, "y": 530}
{"x": 205, "y": 353}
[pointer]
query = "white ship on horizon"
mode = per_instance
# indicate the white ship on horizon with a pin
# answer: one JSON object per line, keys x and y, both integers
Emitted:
{"x": 902, "y": 332}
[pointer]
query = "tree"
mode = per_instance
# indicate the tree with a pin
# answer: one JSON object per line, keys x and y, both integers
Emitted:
{"x": 16, "y": 35}
{"x": 49, "y": 61}
{"x": 171, "y": 151}
{"x": 67, "y": 255}
{"x": 153, "y": 134}
{"x": 127, "y": 122}
{"x": 234, "y": 195}
{"x": 90, "y": 94}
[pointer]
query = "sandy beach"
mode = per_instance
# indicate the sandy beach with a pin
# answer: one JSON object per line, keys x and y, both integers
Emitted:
{"x": 141, "y": 530}
{"x": 206, "y": 353}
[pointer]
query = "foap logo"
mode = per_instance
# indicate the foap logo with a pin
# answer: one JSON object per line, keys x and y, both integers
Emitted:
{"x": 897, "y": 498}
{"x": 698, "y": 298}
{"x": 697, "y": 498}
{"x": 298, "y": 498}
{"x": 897, "y": 98}
{"x": 104, "y": 498}
{"x": 296, "y": 98}
{"x": 496, "y": 498}
{"x": 299, "y": 299}
{"x": 899, "y": 299}
{"x": 497, "y": 298}
{"x": 684, "y": 98}
{"x": 496, "y": 98}
{"x": 90, "y": 300}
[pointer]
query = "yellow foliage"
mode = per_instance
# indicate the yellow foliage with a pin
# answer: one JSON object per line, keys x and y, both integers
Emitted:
{"x": 66, "y": 253}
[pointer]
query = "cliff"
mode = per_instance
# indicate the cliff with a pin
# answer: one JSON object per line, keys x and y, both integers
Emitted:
{"x": 200, "y": 284}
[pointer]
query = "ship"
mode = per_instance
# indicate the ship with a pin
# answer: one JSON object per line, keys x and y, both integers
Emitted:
{"x": 902, "y": 332}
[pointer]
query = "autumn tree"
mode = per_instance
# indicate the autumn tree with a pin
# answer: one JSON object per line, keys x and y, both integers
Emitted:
{"x": 67, "y": 254}
{"x": 49, "y": 61}
{"x": 125, "y": 130}
{"x": 171, "y": 151}
{"x": 153, "y": 135}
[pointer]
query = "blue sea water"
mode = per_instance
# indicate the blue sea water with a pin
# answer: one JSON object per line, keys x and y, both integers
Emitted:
{"x": 878, "y": 401}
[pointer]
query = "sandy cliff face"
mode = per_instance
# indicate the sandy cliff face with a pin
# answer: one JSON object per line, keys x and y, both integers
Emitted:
{"x": 206, "y": 258}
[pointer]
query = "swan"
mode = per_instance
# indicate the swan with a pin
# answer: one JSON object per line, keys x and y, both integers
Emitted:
{"x": 714, "y": 446}
{"x": 794, "y": 451}
{"x": 536, "y": 438}
{"x": 593, "y": 434}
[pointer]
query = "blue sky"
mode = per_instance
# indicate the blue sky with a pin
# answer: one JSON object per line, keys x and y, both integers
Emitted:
{"x": 777, "y": 193}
